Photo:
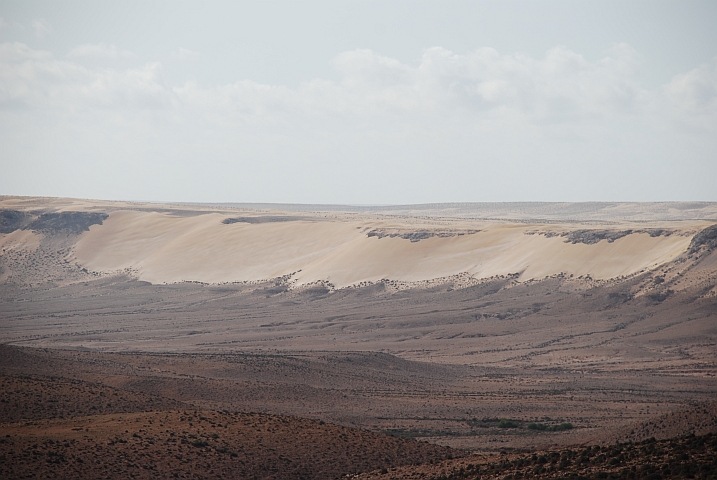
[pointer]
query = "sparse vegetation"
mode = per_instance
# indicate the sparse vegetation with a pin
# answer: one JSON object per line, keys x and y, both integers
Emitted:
{"x": 684, "y": 457}
{"x": 549, "y": 428}
{"x": 252, "y": 445}
{"x": 505, "y": 423}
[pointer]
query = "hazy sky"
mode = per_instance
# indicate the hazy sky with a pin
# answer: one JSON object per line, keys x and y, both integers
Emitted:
{"x": 359, "y": 102}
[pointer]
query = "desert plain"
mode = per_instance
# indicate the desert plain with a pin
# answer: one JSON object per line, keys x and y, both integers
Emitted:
{"x": 526, "y": 340}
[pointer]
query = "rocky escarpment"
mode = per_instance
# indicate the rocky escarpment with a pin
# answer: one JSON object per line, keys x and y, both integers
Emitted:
{"x": 418, "y": 235}
{"x": 56, "y": 222}
{"x": 591, "y": 237}
{"x": 706, "y": 239}
{"x": 262, "y": 219}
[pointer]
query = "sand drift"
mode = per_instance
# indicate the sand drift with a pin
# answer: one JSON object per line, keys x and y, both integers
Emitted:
{"x": 164, "y": 247}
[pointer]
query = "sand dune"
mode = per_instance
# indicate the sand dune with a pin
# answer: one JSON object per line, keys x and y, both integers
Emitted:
{"x": 162, "y": 247}
{"x": 219, "y": 244}
{"x": 347, "y": 246}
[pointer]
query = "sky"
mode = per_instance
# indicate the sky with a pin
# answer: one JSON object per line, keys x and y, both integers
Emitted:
{"x": 359, "y": 102}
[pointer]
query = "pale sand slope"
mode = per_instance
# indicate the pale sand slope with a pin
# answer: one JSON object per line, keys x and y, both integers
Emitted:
{"x": 162, "y": 247}
{"x": 19, "y": 240}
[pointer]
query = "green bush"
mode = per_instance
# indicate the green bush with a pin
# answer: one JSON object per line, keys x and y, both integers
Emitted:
{"x": 550, "y": 428}
{"x": 537, "y": 426}
{"x": 507, "y": 424}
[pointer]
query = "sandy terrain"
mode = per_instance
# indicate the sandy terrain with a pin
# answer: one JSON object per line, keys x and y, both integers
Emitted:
{"x": 166, "y": 246}
{"x": 430, "y": 322}
{"x": 163, "y": 248}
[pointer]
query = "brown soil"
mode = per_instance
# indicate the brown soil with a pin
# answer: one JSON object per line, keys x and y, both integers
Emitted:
{"x": 33, "y": 398}
{"x": 450, "y": 405}
{"x": 683, "y": 457}
{"x": 199, "y": 444}
{"x": 699, "y": 419}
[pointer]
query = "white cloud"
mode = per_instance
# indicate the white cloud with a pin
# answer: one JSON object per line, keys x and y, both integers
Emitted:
{"x": 3, "y": 23}
{"x": 481, "y": 125}
{"x": 695, "y": 90}
{"x": 100, "y": 50}
{"x": 39, "y": 81}
{"x": 42, "y": 27}
{"x": 16, "y": 52}
{"x": 561, "y": 87}
{"x": 370, "y": 84}
{"x": 185, "y": 54}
